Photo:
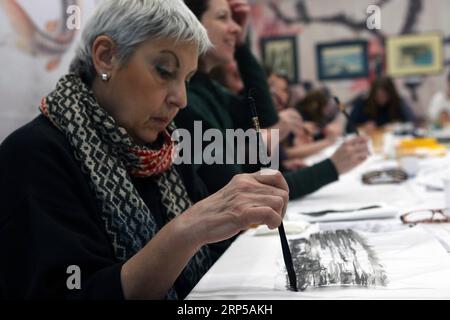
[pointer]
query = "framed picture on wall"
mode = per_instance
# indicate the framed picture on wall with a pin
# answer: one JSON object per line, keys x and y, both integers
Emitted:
{"x": 414, "y": 54}
{"x": 342, "y": 60}
{"x": 281, "y": 55}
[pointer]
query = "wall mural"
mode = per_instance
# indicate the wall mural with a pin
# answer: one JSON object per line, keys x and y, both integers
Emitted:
{"x": 36, "y": 47}
{"x": 51, "y": 42}
{"x": 410, "y": 19}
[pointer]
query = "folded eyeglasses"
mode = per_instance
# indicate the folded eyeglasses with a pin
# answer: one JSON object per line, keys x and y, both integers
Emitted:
{"x": 386, "y": 176}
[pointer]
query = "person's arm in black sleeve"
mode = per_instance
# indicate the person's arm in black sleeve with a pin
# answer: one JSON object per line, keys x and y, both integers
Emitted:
{"x": 197, "y": 191}
{"x": 48, "y": 223}
{"x": 214, "y": 176}
{"x": 253, "y": 76}
{"x": 307, "y": 180}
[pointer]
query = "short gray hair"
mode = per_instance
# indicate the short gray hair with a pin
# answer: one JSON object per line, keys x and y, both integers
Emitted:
{"x": 132, "y": 22}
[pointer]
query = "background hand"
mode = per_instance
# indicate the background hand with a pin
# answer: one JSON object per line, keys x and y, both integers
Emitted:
{"x": 350, "y": 154}
{"x": 290, "y": 122}
{"x": 241, "y": 13}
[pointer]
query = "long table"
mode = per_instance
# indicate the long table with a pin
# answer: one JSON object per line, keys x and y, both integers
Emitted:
{"x": 414, "y": 261}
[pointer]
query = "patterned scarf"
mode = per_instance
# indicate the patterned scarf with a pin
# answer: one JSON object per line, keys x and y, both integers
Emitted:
{"x": 108, "y": 155}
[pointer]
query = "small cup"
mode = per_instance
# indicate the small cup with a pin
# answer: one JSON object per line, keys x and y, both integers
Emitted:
{"x": 410, "y": 164}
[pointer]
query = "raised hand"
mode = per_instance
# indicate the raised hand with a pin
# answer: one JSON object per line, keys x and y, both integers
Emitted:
{"x": 241, "y": 13}
{"x": 350, "y": 154}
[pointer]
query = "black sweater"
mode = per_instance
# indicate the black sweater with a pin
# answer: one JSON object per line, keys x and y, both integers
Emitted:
{"x": 215, "y": 107}
{"x": 50, "y": 220}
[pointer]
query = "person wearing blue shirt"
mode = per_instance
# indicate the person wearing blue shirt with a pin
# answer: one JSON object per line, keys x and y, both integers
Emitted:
{"x": 383, "y": 105}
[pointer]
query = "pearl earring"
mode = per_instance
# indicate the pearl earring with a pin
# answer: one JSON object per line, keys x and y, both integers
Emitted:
{"x": 105, "y": 77}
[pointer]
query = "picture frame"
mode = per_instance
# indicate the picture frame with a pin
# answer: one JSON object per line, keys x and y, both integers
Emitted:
{"x": 280, "y": 53}
{"x": 415, "y": 54}
{"x": 342, "y": 60}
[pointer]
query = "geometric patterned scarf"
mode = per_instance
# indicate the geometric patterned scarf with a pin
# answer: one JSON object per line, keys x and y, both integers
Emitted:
{"x": 108, "y": 156}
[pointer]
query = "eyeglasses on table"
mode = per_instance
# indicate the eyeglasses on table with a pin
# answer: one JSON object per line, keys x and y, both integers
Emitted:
{"x": 426, "y": 216}
{"x": 386, "y": 176}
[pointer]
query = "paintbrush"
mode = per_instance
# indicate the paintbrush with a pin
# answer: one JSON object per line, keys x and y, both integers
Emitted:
{"x": 284, "y": 243}
{"x": 347, "y": 116}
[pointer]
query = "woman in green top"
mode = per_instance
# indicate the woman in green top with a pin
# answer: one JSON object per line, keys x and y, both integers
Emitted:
{"x": 226, "y": 23}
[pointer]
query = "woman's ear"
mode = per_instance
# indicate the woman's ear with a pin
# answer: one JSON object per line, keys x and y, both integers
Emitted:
{"x": 103, "y": 55}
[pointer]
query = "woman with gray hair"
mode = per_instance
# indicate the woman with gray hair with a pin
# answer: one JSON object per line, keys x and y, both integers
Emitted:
{"x": 91, "y": 206}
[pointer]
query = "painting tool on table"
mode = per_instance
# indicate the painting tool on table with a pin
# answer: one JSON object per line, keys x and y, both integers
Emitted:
{"x": 324, "y": 212}
{"x": 284, "y": 243}
{"x": 347, "y": 116}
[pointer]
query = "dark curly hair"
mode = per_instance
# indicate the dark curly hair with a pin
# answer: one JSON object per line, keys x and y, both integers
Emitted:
{"x": 312, "y": 106}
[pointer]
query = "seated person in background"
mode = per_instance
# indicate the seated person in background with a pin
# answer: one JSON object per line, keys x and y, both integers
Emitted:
{"x": 382, "y": 106}
{"x": 90, "y": 182}
{"x": 280, "y": 91}
{"x": 279, "y": 88}
{"x": 321, "y": 120}
{"x": 439, "y": 108}
{"x": 229, "y": 76}
{"x": 319, "y": 107}
{"x": 216, "y": 108}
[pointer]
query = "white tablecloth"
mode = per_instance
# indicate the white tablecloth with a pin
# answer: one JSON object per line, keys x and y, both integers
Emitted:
{"x": 416, "y": 259}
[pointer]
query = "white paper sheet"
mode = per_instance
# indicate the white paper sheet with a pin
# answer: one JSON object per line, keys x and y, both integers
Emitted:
{"x": 306, "y": 212}
{"x": 411, "y": 260}
{"x": 416, "y": 265}
{"x": 416, "y": 261}
{"x": 441, "y": 231}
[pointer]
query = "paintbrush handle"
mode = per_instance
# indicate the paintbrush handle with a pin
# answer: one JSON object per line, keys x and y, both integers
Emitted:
{"x": 284, "y": 243}
{"x": 287, "y": 257}
{"x": 341, "y": 107}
